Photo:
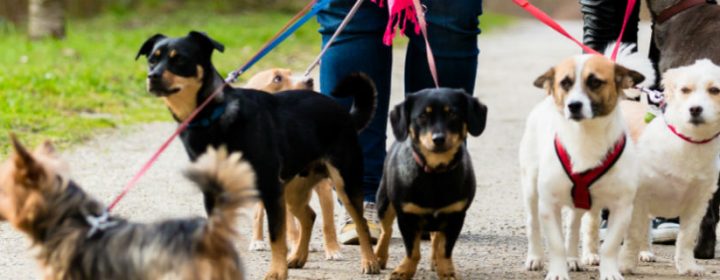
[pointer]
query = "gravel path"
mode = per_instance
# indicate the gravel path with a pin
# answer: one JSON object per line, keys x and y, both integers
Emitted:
{"x": 492, "y": 245}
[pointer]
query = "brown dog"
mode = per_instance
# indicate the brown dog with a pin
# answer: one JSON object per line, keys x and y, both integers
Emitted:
{"x": 273, "y": 81}
{"x": 40, "y": 200}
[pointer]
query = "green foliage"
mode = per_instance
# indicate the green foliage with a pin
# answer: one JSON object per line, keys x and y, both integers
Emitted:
{"x": 67, "y": 90}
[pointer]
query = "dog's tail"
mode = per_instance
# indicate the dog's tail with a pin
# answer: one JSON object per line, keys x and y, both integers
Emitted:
{"x": 230, "y": 182}
{"x": 630, "y": 58}
{"x": 362, "y": 89}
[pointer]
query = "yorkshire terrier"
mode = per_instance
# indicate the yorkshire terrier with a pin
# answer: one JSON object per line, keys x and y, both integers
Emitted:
{"x": 78, "y": 240}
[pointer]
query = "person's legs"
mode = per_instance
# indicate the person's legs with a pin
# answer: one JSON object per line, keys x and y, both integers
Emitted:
{"x": 452, "y": 32}
{"x": 359, "y": 48}
{"x": 602, "y": 21}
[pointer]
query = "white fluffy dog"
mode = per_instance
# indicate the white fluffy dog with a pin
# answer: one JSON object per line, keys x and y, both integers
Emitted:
{"x": 576, "y": 139}
{"x": 678, "y": 162}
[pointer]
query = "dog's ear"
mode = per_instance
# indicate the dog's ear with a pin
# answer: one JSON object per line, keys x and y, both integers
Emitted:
{"x": 668, "y": 83}
{"x": 46, "y": 148}
{"x": 147, "y": 47}
{"x": 476, "y": 115}
{"x": 28, "y": 171}
{"x": 546, "y": 80}
{"x": 626, "y": 78}
{"x": 206, "y": 41}
{"x": 400, "y": 118}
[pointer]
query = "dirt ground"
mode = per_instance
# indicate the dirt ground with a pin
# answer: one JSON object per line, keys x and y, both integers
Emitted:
{"x": 492, "y": 244}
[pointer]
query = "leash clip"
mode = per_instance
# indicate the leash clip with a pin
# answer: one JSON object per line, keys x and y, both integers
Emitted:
{"x": 99, "y": 223}
{"x": 232, "y": 77}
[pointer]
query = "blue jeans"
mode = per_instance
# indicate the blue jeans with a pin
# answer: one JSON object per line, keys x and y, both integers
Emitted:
{"x": 452, "y": 30}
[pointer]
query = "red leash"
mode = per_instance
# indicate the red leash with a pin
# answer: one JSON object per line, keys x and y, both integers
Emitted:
{"x": 233, "y": 75}
{"x": 547, "y": 20}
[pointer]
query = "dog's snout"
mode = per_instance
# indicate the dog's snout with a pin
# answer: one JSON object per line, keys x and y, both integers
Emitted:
{"x": 575, "y": 107}
{"x": 438, "y": 139}
{"x": 695, "y": 111}
{"x": 154, "y": 75}
{"x": 310, "y": 82}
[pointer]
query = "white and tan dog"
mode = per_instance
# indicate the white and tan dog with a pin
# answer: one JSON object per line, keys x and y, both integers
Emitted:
{"x": 678, "y": 156}
{"x": 578, "y": 131}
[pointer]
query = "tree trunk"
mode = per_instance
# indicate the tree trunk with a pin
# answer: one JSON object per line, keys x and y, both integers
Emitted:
{"x": 47, "y": 18}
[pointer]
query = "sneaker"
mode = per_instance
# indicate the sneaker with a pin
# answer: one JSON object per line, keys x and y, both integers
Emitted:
{"x": 664, "y": 231}
{"x": 348, "y": 234}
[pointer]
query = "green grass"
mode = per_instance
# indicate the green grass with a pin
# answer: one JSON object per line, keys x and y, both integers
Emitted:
{"x": 68, "y": 90}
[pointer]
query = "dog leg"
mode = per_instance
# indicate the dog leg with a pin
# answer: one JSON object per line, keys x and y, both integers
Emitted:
{"x": 621, "y": 215}
{"x": 689, "y": 227}
{"x": 572, "y": 240}
{"x": 327, "y": 207}
{"x": 705, "y": 247}
{"x": 434, "y": 249}
{"x": 646, "y": 254}
{"x": 637, "y": 236}
{"x": 445, "y": 242}
{"x": 382, "y": 247}
{"x": 293, "y": 235}
{"x": 257, "y": 244}
{"x": 278, "y": 246}
{"x": 535, "y": 251}
{"x": 354, "y": 208}
{"x": 552, "y": 228}
{"x": 411, "y": 237}
{"x": 591, "y": 238}
{"x": 297, "y": 197}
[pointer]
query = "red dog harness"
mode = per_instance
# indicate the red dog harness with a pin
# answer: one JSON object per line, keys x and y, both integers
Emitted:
{"x": 582, "y": 181}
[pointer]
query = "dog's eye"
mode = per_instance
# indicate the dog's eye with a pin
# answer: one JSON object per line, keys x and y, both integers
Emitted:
{"x": 277, "y": 79}
{"x": 566, "y": 83}
{"x": 593, "y": 82}
{"x": 714, "y": 90}
{"x": 686, "y": 90}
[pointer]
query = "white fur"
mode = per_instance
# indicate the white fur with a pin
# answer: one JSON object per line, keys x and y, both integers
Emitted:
{"x": 677, "y": 178}
{"x": 635, "y": 61}
{"x": 546, "y": 187}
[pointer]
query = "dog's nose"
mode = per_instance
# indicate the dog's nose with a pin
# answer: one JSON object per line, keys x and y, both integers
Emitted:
{"x": 154, "y": 75}
{"x": 575, "y": 107}
{"x": 438, "y": 138}
{"x": 310, "y": 83}
{"x": 695, "y": 111}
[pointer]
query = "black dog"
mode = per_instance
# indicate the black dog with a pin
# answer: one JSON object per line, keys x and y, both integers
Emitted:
{"x": 281, "y": 135}
{"x": 428, "y": 180}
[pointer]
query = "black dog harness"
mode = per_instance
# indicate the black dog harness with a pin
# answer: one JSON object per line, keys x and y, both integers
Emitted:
{"x": 582, "y": 181}
{"x": 205, "y": 122}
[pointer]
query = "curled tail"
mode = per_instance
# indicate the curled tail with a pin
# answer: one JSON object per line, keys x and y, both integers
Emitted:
{"x": 230, "y": 182}
{"x": 362, "y": 89}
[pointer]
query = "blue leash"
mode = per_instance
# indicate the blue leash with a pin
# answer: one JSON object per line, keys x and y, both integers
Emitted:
{"x": 321, "y": 4}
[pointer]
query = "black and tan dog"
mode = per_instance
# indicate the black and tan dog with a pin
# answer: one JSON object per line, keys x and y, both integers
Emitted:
{"x": 428, "y": 180}
{"x": 38, "y": 198}
{"x": 281, "y": 135}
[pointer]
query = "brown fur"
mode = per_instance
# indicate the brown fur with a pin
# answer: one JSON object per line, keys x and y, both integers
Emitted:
{"x": 276, "y": 80}
{"x": 407, "y": 268}
{"x": 184, "y": 102}
{"x": 38, "y": 198}
{"x": 614, "y": 78}
{"x": 434, "y": 159}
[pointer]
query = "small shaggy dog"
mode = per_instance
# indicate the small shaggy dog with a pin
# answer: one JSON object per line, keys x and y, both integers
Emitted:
{"x": 39, "y": 199}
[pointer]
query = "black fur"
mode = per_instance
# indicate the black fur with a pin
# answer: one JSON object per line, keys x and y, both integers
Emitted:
{"x": 280, "y": 135}
{"x": 406, "y": 181}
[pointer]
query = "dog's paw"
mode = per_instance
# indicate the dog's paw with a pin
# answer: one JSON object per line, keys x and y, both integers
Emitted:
{"x": 333, "y": 256}
{"x": 400, "y": 275}
{"x": 534, "y": 263}
{"x": 370, "y": 266}
{"x": 297, "y": 261}
{"x": 691, "y": 269}
{"x": 647, "y": 256}
{"x": 615, "y": 275}
{"x": 627, "y": 268}
{"x": 274, "y": 275}
{"x": 450, "y": 275}
{"x": 552, "y": 275}
{"x": 573, "y": 264}
{"x": 591, "y": 259}
{"x": 257, "y": 246}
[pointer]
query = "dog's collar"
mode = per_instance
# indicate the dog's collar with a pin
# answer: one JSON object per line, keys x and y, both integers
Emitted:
{"x": 582, "y": 181}
{"x": 207, "y": 121}
{"x": 688, "y": 139}
{"x": 420, "y": 160}
{"x": 679, "y": 7}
